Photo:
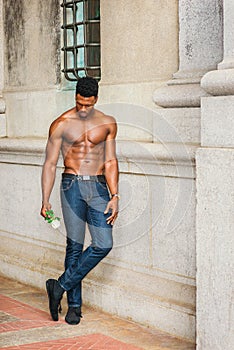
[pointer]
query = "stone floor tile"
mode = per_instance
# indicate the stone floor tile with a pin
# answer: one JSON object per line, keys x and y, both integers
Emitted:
{"x": 88, "y": 342}
{"x": 25, "y": 323}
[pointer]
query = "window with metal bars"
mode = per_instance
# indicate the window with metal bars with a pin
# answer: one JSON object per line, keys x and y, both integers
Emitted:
{"x": 81, "y": 39}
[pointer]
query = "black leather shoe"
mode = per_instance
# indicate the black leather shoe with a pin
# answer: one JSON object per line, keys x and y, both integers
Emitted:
{"x": 55, "y": 294}
{"x": 73, "y": 315}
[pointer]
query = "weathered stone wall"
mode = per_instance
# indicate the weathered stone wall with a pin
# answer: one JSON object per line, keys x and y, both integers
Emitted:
{"x": 32, "y": 65}
{"x": 215, "y": 201}
{"x": 2, "y": 102}
{"x": 139, "y": 48}
{"x": 152, "y": 265}
{"x": 32, "y": 42}
{"x": 128, "y": 54}
{"x": 155, "y": 232}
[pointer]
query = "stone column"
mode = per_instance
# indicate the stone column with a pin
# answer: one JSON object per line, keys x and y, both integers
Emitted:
{"x": 215, "y": 201}
{"x": 228, "y": 61}
{"x": 200, "y": 37}
{"x": 221, "y": 81}
{"x": 2, "y": 103}
{"x": 200, "y": 49}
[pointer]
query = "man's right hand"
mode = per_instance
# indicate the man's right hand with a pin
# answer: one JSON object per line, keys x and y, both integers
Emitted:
{"x": 45, "y": 207}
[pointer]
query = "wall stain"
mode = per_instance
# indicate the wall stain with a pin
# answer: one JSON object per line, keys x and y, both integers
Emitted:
{"x": 220, "y": 10}
{"x": 21, "y": 30}
{"x": 50, "y": 24}
{"x": 189, "y": 50}
{"x": 14, "y": 29}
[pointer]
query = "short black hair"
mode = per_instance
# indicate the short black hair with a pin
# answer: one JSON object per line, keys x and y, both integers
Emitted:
{"x": 87, "y": 87}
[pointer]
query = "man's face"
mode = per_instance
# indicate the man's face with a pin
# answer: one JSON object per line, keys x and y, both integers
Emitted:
{"x": 84, "y": 105}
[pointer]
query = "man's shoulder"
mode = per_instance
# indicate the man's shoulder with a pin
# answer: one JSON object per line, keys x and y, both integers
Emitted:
{"x": 65, "y": 116}
{"x": 109, "y": 122}
{"x": 60, "y": 123}
{"x": 70, "y": 113}
{"x": 106, "y": 119}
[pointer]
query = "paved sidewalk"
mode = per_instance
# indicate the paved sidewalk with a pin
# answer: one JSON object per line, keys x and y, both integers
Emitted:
{"x": 26, "y": 324}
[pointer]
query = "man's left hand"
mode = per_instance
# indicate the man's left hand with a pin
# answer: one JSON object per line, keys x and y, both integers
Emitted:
{"x": 113, "y": 206}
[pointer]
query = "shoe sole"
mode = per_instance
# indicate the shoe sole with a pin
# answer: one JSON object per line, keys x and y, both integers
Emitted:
{"x": 49, "y": 291}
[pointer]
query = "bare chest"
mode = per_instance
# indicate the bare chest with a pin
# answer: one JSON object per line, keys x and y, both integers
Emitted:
{"x": 84, "y": 132}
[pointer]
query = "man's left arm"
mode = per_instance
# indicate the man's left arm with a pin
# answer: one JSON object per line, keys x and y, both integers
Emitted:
{"x": 112, "y": 173}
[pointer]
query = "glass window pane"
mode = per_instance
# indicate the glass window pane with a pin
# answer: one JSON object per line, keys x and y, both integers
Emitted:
{"x": 80, "y": 59}
{"x": 70, "y": 38}
{"x": 69, "y": 15}
{"x": 79, "y": 12}
{"x": 70, "y": 60}
{"x": 93, "y": 33}
{"x": 81, "y": 34}
{"x": 93, "y": 56}
{"x": 93, "y": 9}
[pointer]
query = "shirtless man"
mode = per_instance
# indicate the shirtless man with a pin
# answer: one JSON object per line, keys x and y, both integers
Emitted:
{"x": 89, "y": 191}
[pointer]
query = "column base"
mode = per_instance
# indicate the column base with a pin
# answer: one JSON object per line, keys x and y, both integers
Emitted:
{"x": 219, "y": 82}
{"x": 179, "y": 95}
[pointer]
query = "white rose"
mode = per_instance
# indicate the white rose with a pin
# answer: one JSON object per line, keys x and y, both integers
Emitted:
{"x": 55, "y": 223}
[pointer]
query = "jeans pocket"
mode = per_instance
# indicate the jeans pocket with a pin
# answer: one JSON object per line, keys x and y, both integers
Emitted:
{"x": 66, "y": 184}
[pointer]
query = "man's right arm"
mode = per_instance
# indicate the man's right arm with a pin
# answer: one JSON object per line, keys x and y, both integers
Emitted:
{"x": 49, "y": 168}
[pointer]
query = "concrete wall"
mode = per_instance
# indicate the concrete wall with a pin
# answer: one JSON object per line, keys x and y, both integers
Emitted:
{"x": 215, "y": 200}
{"x": 2, "y": 102}
{"x": 155, "y": 232}
{"x": 127, "y": 54}
{"x": 32, "y": 40}
{"x": 215, "y": 248}
{"x": 215, "y": 207}
{"x": 139, "y": 49}
{"x": 32, "y": 65}
{"x": 152, "y": 266}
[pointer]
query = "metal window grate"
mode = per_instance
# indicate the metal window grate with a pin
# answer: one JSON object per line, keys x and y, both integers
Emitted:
{"x": 81, "y": 39}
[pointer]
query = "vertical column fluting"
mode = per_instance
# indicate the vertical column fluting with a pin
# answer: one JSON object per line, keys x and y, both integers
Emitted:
{"x": 200, "y": 50}
{"x": 228, "y": 59}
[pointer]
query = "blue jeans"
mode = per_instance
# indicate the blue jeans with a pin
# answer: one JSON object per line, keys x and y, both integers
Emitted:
{"x": 83, "y": 201}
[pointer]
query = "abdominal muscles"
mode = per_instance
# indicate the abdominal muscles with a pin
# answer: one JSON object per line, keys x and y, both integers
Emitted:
{"x": 84, "y": 158}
